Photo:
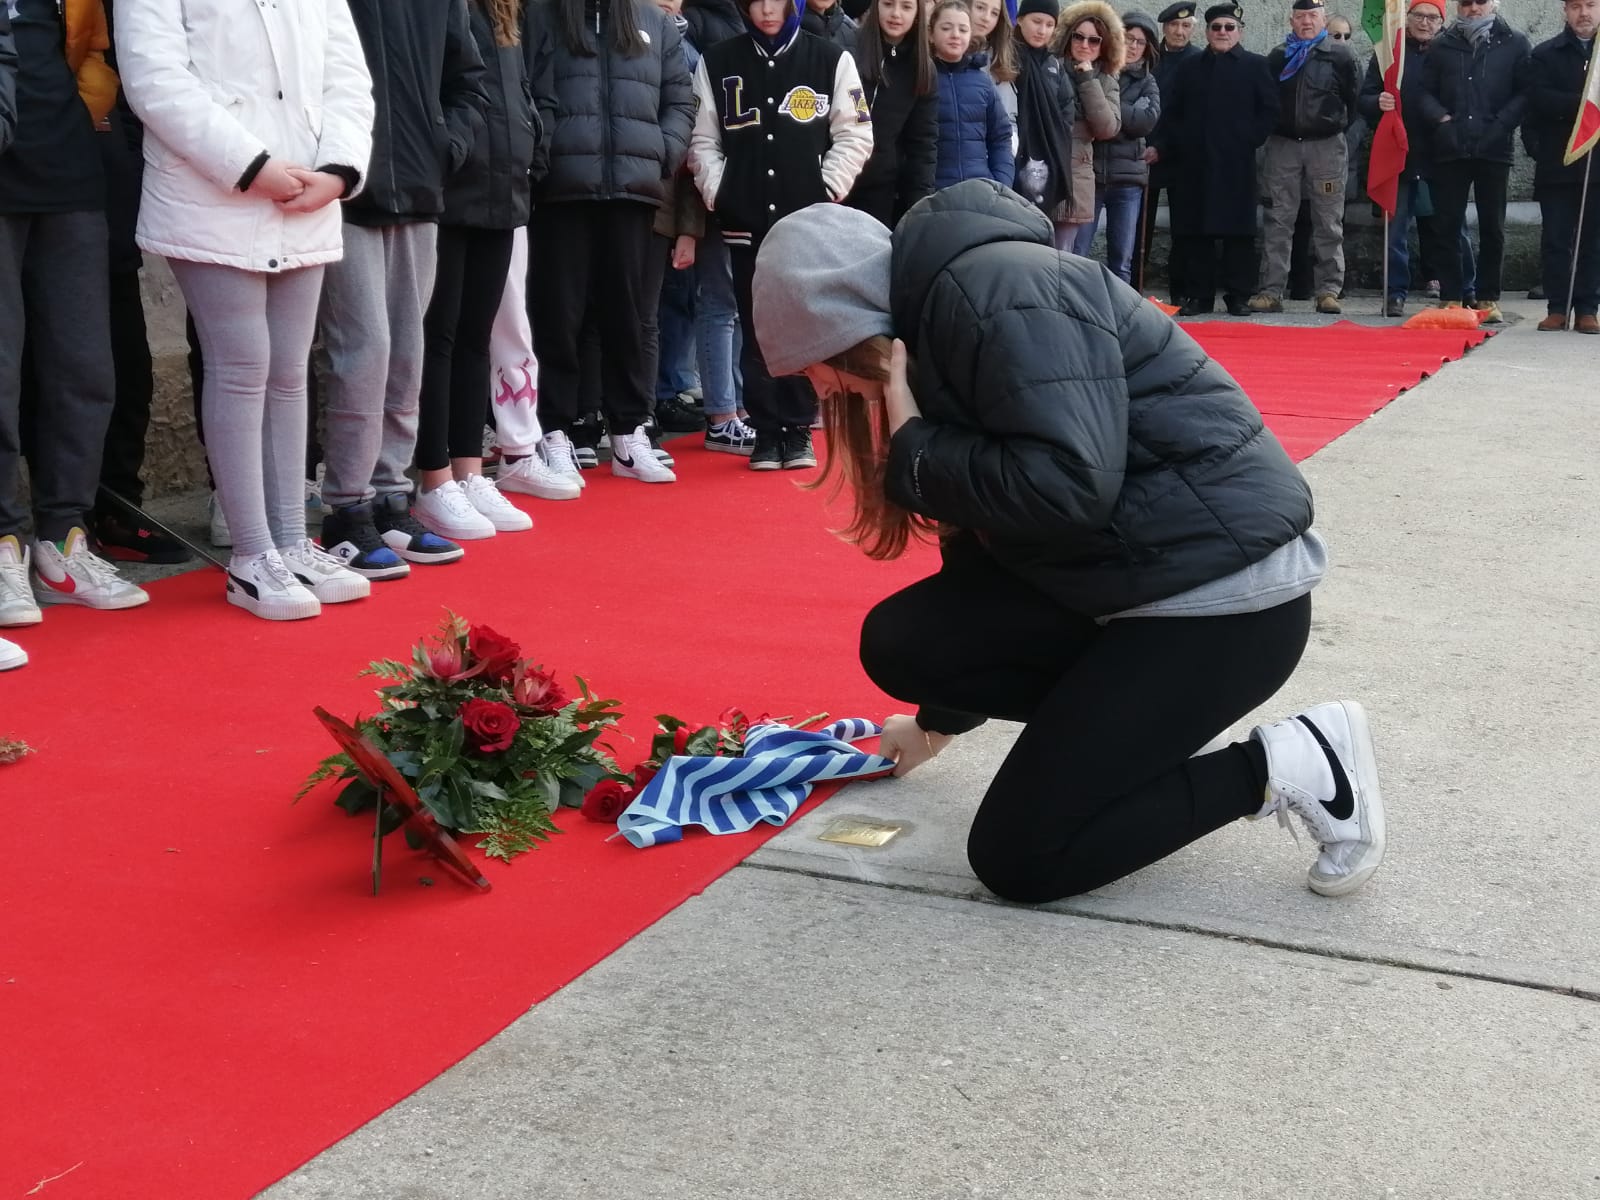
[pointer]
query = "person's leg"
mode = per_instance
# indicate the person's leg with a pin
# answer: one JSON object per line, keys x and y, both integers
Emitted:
{"x": 1103, "y": 780}
{"x": 487, "y": 259}
{"x": 1083, "y": 240}
{"x": 1586, "y": 289}
{"x": 291, "y": 322}
{"x": 439, "y": 329}
{"x": 1122, "y": 228}
{"x": 1199, "y": 254}
{"x": 630, "y": 265}
{"x": 1066, "y": 236}
{"x": 1280, "y": 183}
{"x": 229, "y": 307}
{"x": 411, "y": 261}
{"x": 558, "y": 296}
{"x": 1489, "y": 185}
{"x": 675, "y": 323}
{"x": 1397, "y": 249}
{"x": 716, "y": 317}
{"x": 66, "y": 284}
{"x": 135, "y": 388}
{"x": 1300, "y": 273}
{"x": 1450, "y": 185}
{"x": 14, "y": 232}
{"x": 1558, "y": 217}
{"x": 652, "y": 271}
{"x": 355, "y": 333}
{"x": 1238, "y": 269}
{"x": 1326, "y": 170}
{"x": 760, "y": 398}
{"x": 514, "y": 382}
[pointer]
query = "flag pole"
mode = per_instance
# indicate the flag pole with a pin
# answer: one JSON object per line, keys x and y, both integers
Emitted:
{"x": 1385, "y": 252}
{"x": 1577, "y": 239}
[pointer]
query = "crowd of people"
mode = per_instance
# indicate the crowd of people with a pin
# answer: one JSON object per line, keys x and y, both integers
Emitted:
{"x": 543, "y": 217}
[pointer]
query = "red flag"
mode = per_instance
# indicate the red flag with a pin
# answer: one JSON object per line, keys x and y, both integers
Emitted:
{"x": 1389, "y": 142}
{"x": 1586, "y": 128}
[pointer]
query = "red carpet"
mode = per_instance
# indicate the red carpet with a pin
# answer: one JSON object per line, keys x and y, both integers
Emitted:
{"x": 198, "y": 991}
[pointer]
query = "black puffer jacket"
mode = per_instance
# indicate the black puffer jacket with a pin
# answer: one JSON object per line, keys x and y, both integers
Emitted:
{"x": 712, "y": 21}
{"x": 1120, "y": 162}
{"x": 8, "y": 83}
{"x": 1480, "y": 88}
{"x": 427, "y": 79}
{"x": 1086, "y": 439}
{"x": 491, "y": 189}
{"x": 834, "y": 26}
{"x": 621, "y": 124}
{"x": 1318, "y": 100}
{"x": 1555, "y": 93}
{"x": 905, "y": 140}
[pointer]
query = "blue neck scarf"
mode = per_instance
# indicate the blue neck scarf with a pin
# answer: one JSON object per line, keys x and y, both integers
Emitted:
{"x": 1295, "y": 53}
{"x": 780, "y": 41}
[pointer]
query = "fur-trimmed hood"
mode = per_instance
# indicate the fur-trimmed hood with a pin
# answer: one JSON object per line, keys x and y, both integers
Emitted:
{"x": 1112, "y": 50}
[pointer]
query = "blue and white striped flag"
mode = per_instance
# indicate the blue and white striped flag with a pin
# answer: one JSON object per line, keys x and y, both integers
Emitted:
{"x": 768, "y": 783}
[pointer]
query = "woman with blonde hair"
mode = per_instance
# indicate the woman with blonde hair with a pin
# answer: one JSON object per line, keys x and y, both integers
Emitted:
{"x": 1127, "y": 552}
{"x": 1089, "y": 42}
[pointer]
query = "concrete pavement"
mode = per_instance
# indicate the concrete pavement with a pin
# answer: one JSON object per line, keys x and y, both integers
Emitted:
{"x": 839, "y": 1023}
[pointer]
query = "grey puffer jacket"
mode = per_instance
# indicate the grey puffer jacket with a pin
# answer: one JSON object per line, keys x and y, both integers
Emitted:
{"x": 1120, "y": 163}
{"x": 1085, "y": 438}
{"x": 621, "y": 128}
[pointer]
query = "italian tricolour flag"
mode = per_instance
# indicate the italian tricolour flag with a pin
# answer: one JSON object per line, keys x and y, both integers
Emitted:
{"x": 1385, "y": 24}
{"x": 1586, "y": 128}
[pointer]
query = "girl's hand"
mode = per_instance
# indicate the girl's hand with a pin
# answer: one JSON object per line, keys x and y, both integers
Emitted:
{"x": 320, "y": 188}
{"x": 683, "y": 252}
{"x": 276, "y": 181}
{"x": 897, "y": 397}
{"x": 908, "y": 744}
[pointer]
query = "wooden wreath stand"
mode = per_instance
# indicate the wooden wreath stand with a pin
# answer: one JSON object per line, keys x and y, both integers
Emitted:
{"x": 393, "y": 789}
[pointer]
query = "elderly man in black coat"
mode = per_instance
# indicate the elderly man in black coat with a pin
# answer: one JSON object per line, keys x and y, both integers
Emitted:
{"x": 1177, "y": 24}
{"x": 1222, "y": 108}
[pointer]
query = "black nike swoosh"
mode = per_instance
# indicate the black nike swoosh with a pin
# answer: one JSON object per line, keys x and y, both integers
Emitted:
{"x": 1343, "y": 805}
{"x": 627, "y": 462}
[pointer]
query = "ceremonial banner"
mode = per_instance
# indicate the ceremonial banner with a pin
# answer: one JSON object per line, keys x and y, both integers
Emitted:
{"x": 1385, "y": 23}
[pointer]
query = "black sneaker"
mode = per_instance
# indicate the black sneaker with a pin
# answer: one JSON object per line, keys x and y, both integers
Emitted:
{"x": 351, "y": 536}
{"x": 797, "y": 452}
{"x": 124, "y": 539}
{"x": 674, "y": 416}
{"x": 586, "y": 434}
{"x": 1396, "y": 307}
{"x": 768, "y": 452}
{"x": 407, "y": 536}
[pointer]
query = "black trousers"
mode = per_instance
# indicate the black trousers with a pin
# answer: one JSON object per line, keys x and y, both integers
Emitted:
{"x": 1147, "y": 237}
{"x": 123, "y": 460}
{"x": 589, "y": 259}
{"x": 1486, "y": 181}
{"x": 1558, "y": 214}
{"x": 468, "y": 285}
{"x": 1101, "y": 781}
{"x": 1201, "y": 271}
{"x": 773, "y": 404}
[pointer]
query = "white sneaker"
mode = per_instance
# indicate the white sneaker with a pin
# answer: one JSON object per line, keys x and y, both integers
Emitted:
{"x": 79, "y": 576}
{"x": 263, "y": 585}
{"x": 632, "y": 457}
{"x": 500, "y": 512}
{"x": 323, "y": 575}
{"x": 532, "y": 476}
{"x": 17, "y": 605}
{"x": 1321, "y": 767}
{"x": 561, "y": 457}
{"x": 12, "y": 656}
{"x": 219, "y": 524}
{"x": 447, "y": 511}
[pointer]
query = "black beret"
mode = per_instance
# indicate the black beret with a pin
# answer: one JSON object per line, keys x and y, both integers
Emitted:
{"x": 1307, "y": 5}
{"x": 1224, "y": 10}
{"x": 1176, "y": 12}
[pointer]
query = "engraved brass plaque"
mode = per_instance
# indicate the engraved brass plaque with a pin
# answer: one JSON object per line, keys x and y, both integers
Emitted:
{"x": 860, "y": 831}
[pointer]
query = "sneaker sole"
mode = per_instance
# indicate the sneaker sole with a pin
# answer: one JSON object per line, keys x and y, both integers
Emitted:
{"x": 745, "y": 451}
{"x": 21, "y": 617}
{"x": 10, "y": 662}
{"x": 1373, "y": 821}
{"x": 765, "y": 466}
{"x": 539, "y": 491}
{"x": 285, "y": 610}
{"x": 476, "y": 533}
{"x": 799, "y": 464}
{"x": 521, "y": 522}
{"x": 77, "y": 601}
{"x": 337, "y": 591}
{"x": 426, "y": 557}
{"x": 647, "y": 476}
{"x": 399, "y": 571}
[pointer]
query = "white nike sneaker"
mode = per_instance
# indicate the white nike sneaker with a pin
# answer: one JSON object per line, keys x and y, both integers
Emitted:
{"x": 17, "y": 605}
{"x": 505, "y": 516}
{"x": 1321, "y": 767}
{"x": 447, "y": 511}
{"x": 532, "y": 476}
{"x": 323, "y": 575}
{"x": 12, "y": 656}
{"x": 632, "y": 457}
{"x": 77, "y": 575}
{"x": 263, "y": 585}
{"x": 561, "y": 456}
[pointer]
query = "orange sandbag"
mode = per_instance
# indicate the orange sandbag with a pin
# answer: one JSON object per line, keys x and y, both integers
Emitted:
{"x": 1170, "y": 309}
{"x": 1444, "y": 318}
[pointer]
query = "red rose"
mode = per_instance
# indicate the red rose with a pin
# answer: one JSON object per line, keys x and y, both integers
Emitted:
{"x": 537, "y": 689}
{"x": 642, "y": 775}
{"x": 497, "y": 653}
{"x": 606, "y": 800}
{"x": 491, "y": 726}
{"x": 680, "y": 739}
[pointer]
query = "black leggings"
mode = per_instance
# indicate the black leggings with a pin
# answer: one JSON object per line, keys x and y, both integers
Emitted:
{"x": 455, "y": 362}
{"x": 1101, "y": 781}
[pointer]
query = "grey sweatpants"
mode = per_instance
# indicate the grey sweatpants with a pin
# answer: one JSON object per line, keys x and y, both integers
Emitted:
{"x": 373, "y": 302}
{"x": 255, "y": 332}
{"x": 1292, "y": 171}
{"x": 55, "y": 294}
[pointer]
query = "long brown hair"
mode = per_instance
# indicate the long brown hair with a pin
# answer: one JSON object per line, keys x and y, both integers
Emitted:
{"x": 626, "y": 38}
{"x": 871, "y": 49}
{"x": 506, "y": 17}
{"x": 858, "y": 457}
{"x": 1002, "y": 50}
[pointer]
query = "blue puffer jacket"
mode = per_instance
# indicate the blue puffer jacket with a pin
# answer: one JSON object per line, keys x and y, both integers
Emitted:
{"x": 974, "y": 130}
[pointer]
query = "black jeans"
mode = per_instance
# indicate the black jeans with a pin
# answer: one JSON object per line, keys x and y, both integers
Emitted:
{"x": 1199, "y": 267}
{"x": 1450, "y": 184}
{"x": 1558, "y": 214}
{"x": 773, "y": 404}
{"x": 1147, "y": 238}
{"x": 470, "y": 280}
{"x": 130, "y": 416}
{"x": 589, "y": 259}
{"x": 1101, "y": 781}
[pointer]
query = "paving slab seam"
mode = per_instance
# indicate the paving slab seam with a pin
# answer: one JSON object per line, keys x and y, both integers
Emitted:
{"x": 1372, "y": 959}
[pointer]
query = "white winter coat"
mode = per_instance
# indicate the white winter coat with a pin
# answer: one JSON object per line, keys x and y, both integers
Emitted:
{"x": 216, "y": 82}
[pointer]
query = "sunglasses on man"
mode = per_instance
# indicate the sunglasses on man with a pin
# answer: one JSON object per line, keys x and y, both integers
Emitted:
{"x": 1222, "y": 27}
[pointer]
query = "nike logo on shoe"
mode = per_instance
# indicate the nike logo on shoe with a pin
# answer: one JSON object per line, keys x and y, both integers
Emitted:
{"x": 627, "y": 462}
{"x": 66, "y": 585}
{"x": 1343, "y": 805}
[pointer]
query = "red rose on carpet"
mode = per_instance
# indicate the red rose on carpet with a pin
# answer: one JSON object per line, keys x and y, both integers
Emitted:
{"x": 496, "y": 652}
{"x": 642, "y": 775}
{"x": 491, "y": 726}
{"x": 606, "y": 800}
{"x": 537, "y": 689}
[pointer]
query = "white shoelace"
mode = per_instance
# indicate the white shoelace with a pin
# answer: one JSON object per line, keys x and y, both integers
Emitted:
{"x": 99, "y": 571}
{"x": 481, "y": 494}
{"x": 270, "y": 565}
{"x": 559, "y": 456}
{"x": 313, "y": 557}
{"x": 455, "y": 500}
